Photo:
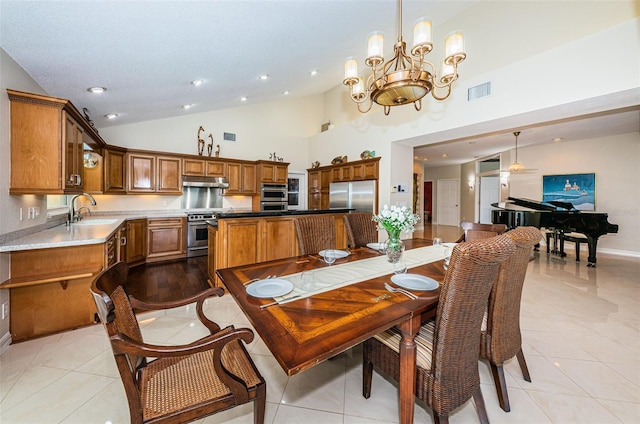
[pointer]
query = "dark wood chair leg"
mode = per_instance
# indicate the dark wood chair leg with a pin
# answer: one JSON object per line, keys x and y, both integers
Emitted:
{"x": 482, "y": 411}
{"x": 259, "y": 405}
{"x": 501, "y": 386}
{"x": 367, "y": 374}
{"x": 523, "y": 366}
{"x": 440, "y": 419}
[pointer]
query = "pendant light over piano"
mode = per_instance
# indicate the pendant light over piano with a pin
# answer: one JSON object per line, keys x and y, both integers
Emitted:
{"x": 517, "y": 167}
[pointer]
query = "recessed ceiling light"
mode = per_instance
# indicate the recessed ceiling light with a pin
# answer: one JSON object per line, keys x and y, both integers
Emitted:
{"x": 286, "y": 92}
{"x": 243, "y": 99}
{"x": 314, "y": 72}
{"x": 264, "y": 77}
{"x": 557, "y": 139}
{"x": 111, "y": 115}
{"x": 444, "y": 155}
{"x": 96, "y": 90}
{"x": 186, "y": 107}
{"x": 197, "y": 82}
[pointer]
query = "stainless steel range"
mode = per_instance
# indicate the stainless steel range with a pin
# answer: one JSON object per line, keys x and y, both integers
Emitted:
{"x": 198, "y": 234}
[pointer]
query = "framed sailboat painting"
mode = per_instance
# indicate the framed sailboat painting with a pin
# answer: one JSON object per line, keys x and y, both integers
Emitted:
{"x": 577, "y": 189}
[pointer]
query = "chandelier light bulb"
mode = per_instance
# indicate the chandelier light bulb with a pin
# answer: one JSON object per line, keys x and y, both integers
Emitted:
{"x": 447, "y": 73}
{"x": 358, "y": 89}
{"x": 422, "y": 32}
{"x": 350, "y": 68}
{"x": 454, "y": 44}
{"x": 375, "y": 46}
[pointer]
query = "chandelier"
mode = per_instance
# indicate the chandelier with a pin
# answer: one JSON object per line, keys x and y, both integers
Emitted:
{"x": 405, "y": 78}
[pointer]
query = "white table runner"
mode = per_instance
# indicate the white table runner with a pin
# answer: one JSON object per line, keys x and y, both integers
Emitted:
{"x": 338, "y": 275}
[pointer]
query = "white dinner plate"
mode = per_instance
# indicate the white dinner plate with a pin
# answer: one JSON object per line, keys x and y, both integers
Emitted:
{"x": 415, "y": 282}
{"x": 375, "y": 246}
{"x": 270, "y": 287}
{"x": 335, "y": 253}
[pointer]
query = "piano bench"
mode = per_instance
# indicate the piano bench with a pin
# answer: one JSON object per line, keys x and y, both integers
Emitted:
{"x": 574, "y": 238}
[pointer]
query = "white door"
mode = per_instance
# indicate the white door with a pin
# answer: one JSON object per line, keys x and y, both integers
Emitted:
{"x": 489, "y": 193}
{"x": 448, "y": 200}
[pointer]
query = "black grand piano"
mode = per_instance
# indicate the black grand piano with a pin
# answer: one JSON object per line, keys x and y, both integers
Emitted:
{"x": 562, "y": 217}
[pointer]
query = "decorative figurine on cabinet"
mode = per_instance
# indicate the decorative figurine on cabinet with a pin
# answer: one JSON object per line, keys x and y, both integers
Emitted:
{"x": 210, "y": 145}
{"x": 338, "y": 160}
{"x": 200, "y": 142}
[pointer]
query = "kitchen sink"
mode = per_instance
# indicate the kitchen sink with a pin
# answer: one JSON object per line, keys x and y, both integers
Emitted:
{"x": 96, "y": 221}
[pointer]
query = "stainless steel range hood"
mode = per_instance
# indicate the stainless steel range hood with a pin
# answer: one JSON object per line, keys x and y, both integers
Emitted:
{"x": 202, "y": 192}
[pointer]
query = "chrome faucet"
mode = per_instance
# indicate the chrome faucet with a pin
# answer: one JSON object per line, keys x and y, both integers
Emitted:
{"x": 74, "y": 215}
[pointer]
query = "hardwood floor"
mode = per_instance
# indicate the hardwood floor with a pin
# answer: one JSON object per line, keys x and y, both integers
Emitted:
{"x": 168, "y": 281}
{"x": 165, "y": 281}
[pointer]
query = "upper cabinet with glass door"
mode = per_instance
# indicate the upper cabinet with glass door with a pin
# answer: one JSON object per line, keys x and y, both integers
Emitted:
{"x": 47, "y": 137}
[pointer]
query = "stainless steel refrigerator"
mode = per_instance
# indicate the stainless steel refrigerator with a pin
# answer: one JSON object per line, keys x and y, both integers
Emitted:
{"x": 358, "y": 195}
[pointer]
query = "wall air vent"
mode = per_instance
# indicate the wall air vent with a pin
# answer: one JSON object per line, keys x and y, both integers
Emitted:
{"x": 229, "y": 137}
{"x": 479, "y": 91}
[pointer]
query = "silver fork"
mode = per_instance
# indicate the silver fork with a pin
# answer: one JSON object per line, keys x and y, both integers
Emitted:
{"x": 399, "y": 290}
{"x": 258, "y": 279}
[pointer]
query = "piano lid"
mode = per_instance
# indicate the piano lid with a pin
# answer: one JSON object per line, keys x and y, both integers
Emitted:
{"x": 555, "y": 206}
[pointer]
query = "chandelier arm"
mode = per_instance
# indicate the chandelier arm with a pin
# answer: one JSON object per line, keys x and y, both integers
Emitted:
{"x": 445, "y": 85}
{"x": 367, "y": 109}
{"x": 435, "y": 96}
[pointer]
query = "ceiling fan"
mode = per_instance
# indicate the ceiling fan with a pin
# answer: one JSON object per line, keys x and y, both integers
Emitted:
{"x": 517, "y": 167}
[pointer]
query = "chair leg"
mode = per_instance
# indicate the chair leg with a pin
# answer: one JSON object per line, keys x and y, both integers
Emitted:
{"x": 367, "y": 374}
{"x": 523, "y": 365}
{"x": 482, "y": 411}
{"x": 501, "y": 386}
{"x": 259, "y": 404}
{"x": 440, "y": 419}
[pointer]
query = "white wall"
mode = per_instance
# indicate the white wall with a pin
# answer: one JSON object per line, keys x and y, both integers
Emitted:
{"x": 262, "y": 129}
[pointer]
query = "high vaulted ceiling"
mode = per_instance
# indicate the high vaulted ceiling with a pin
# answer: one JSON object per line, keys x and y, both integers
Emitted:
{"x": 146, "y": 53}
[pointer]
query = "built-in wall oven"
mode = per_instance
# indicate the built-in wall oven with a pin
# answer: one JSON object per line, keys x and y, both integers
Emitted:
{"x": 273, "y": 197}
{"x": 198, "y": 234}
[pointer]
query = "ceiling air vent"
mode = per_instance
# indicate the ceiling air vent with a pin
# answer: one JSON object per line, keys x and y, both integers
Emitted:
{"x": 479, "y": 91}
{"x": 229, "y": 136}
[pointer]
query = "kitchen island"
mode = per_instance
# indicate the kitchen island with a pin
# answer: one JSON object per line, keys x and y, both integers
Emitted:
{"x": 243, "y": 238}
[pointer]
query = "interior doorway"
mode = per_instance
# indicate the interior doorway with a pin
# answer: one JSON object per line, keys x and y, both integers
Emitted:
{"x": 489, "y": 187}
{"x": 428, "y": 205}
{"x": 448, "y": 200}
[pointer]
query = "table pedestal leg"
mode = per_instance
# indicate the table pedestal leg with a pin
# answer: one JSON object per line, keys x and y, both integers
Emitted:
{"x": 407, "y": 382}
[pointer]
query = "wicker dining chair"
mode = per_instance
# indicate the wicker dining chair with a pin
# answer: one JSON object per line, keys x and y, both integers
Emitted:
{"x": 447, "y": 347}
{"x": 477, "y": 231}
{"x": 184, "y": 382}
{"x": 500, "y": 338}
{"x": 360, "y": 229}
{"x": 315, "y": 233}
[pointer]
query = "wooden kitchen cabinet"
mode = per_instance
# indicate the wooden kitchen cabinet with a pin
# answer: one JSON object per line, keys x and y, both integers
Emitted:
{"x": 135, "y": 241}
{"x": 166, "y": 239}
{"x": 149, "y": 173}
{"x": 273, "y": 172}
{"x": 115, "y": 171}
{"x": 279, "y": 233}
{"x": 193, "y": 167}
{"x": 202, "y": 167}
{"x": 214, "y": 169}
{"x": 168, "y": 175}
{"x": 242, "y": 241}
{"x": 49, "y": 289}
{"x": 47, "y": 137}
{"x": 241, "y": 178}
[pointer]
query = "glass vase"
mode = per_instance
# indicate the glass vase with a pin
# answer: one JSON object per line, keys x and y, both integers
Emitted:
{"x": 394, "y": 246}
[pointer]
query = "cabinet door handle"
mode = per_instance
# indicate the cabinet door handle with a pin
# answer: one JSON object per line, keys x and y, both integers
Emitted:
{"x": 123, "y": 241}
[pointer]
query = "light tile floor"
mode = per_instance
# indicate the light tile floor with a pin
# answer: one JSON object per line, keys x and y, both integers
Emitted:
{"x": 581, "y": 331}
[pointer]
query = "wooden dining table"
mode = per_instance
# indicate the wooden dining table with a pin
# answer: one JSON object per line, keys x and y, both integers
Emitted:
{"x": 306, "y": 331}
